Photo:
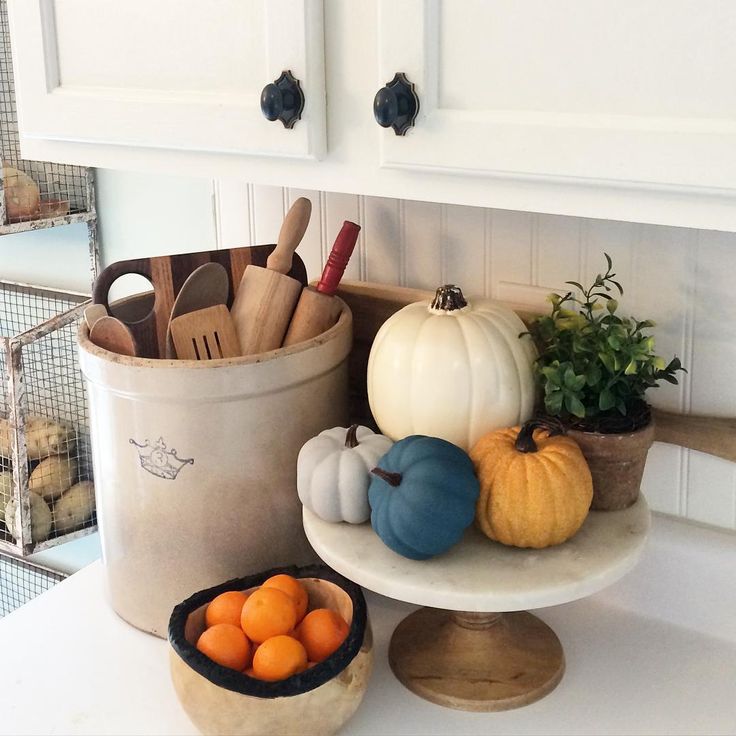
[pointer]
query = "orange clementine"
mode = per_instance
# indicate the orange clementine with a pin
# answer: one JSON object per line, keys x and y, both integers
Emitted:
{"x": 225, "y": 608}
{"x": 253, "y": 649}
{"x": 267, "y": 612}
{"x": 278, "y": 658}
{"x": 227, "y": 645}
{"x": 293, "y": 588}
{"x": 322, "y": 631}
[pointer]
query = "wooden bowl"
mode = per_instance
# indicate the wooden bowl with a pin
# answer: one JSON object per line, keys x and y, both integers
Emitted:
{"x": 317, "y": 701}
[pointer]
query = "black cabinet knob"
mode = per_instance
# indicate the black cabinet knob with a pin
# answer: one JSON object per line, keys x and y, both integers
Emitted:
{"x": 283, "y": 100}
{"x": 272, "y": 102}
{"x": 396, "y": 105}
{"x": 386, "y": 107}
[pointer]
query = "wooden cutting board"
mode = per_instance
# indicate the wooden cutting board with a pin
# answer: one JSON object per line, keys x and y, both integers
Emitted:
{"x": 167, "y": 274}
{"x": 372, "y": 304}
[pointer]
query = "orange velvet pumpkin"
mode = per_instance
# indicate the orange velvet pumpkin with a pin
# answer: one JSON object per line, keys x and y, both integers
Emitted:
{"x": 535, "y": 485}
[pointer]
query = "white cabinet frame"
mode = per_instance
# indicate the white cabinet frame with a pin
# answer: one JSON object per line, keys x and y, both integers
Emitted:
{"x": 186, "y": 120}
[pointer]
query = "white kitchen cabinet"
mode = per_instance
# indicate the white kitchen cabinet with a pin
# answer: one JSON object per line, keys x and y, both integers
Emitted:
{"x": 634, "y": 92}
{"x": 621, "y": 111}
{"x": 172, "y": 74}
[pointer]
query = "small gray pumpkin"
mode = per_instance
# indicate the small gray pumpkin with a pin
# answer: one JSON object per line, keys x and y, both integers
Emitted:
{"x": 333, "y": 472}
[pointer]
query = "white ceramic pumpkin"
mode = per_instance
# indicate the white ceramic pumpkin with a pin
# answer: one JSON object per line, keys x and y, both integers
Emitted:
{"x": 333, "y": 472}
{"x": 451, "y": 369}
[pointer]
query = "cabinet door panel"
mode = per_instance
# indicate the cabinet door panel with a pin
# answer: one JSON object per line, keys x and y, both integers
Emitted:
{"x": 168, "y": 74}
{"x": 637, "y": 91}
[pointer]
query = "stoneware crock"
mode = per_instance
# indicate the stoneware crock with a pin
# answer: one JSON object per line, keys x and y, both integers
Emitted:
{"x": 195, "y": 463}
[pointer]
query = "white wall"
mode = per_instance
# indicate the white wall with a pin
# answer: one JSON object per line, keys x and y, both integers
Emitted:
{"x": 54, "y": 257}
{"x": 679, "y": 277}
{"x": 142, "y": 215}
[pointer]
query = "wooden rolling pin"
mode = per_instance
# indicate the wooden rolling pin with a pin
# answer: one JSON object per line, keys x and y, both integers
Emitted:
{"x": 317, "y": 309}
{"x": 266, "y": 297}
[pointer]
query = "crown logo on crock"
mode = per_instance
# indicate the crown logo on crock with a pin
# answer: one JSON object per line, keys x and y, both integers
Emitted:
{"x": 159, "y": 461}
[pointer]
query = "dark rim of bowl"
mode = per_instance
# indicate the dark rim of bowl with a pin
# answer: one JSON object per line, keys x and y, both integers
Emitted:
{"x": 238, "y": 682}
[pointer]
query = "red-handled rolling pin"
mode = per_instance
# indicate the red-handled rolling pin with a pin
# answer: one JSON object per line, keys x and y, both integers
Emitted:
{"x": 317, "y": 309}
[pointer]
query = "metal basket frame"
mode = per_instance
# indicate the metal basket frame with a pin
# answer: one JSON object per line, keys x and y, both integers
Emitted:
{"x": 22, "y": 580}
{"x": 15, "y": 384}
{"x": 75, "y": 183}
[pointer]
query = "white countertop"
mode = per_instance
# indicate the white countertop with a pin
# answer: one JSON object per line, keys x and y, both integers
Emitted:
{"x": 653, "y": 654}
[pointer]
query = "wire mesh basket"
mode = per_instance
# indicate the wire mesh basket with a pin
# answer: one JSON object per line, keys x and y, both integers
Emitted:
{"x": 35, "y": 194}
{"x": 46, "y": 488}
{"x": 21, "y": 581}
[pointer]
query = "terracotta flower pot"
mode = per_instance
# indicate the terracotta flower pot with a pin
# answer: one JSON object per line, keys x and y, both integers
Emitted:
{"x": 616, "y": 463}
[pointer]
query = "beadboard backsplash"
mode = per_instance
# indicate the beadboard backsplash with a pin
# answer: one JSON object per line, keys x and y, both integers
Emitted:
{"x": 683, "y": 279}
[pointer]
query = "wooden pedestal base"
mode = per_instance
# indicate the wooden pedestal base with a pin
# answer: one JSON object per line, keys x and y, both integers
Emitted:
{"x": 476, "y": 661}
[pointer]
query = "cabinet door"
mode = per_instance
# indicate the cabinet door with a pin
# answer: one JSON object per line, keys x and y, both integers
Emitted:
{"x": 634, "y": 91}
{"x": 177, "y": 74}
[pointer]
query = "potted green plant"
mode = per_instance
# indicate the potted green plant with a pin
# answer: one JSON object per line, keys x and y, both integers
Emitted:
{"x": 594, "y": 368}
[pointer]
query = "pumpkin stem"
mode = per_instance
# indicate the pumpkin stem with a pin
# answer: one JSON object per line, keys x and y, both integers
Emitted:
{"x": 525, "y": 440}
{"x": 351, "y": 440}
{"x": 393, "y": 479}
{"x": 448, "y": 298}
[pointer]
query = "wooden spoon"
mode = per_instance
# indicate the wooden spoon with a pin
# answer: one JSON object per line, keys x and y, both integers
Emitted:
{"x": 111, "y": 334}
{"x": 93, "y": 313}
{"x": 206, "y": 286}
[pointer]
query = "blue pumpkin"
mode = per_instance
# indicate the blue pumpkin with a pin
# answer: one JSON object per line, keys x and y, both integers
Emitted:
{"x": 422, "y": 496}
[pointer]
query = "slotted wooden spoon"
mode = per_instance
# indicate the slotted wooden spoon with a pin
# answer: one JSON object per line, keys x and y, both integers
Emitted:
{"x": 206, "y": 334}
{"x": 206, "y": 286}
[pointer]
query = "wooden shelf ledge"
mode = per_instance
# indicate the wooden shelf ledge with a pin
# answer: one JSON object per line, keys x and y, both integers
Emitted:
{"x": 372, "y": 304}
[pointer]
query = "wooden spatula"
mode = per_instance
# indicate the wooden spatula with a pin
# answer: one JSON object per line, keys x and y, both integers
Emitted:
{"x": 206, "y": 334}
{"x": 111, "y": 334}
{"x": 206, "y": 286}
{"x": 266, "y": 297}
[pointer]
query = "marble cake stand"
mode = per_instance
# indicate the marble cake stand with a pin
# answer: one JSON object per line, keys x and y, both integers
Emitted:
{"x": 455, "y": 652}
